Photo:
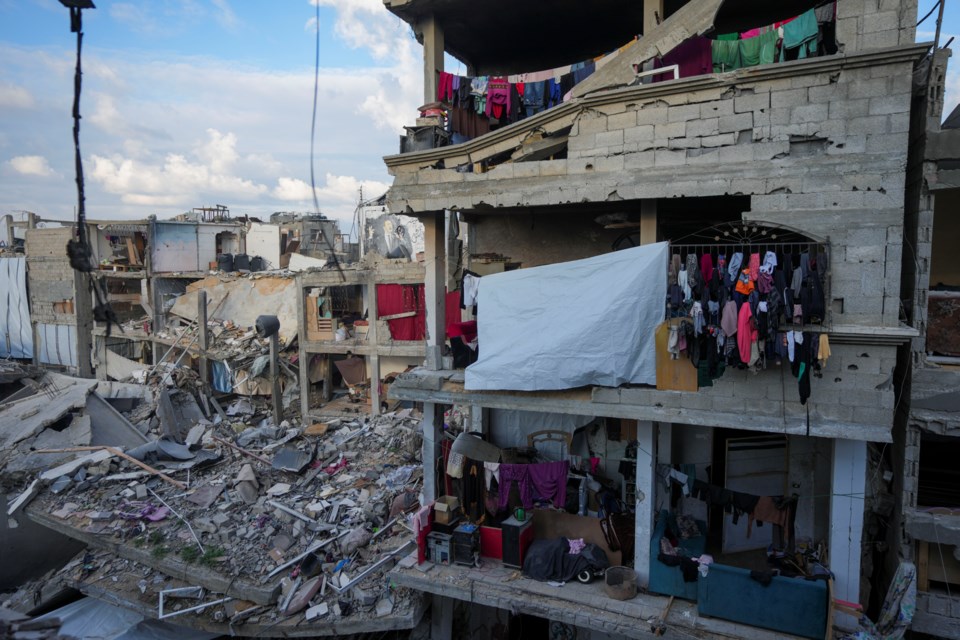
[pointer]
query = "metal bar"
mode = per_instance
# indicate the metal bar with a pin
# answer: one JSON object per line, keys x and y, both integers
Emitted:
{"x": 199, "y": 607}
{"x": 243, "y": 451}
{"x": 182, "y": 519}
{"x": 316, "y": 547}
{"x": 376, "y": 565}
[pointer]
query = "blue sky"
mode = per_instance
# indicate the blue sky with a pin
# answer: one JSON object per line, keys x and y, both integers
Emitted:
{"x": 196, "y": 102}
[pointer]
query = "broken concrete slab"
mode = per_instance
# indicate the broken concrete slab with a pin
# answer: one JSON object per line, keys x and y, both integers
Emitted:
{"x": 173, "y": 567}
{"x": 120, "y": 368}
{"x": 108, "y": 426}
{"x": 76, "y": 435}
{"x": 26, "y": 418}
{"x": 178, "y": 412}
{"x": 249, "y": 297}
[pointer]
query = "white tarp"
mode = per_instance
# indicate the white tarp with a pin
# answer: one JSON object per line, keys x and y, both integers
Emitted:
{"x": 572, "y": 324}
{"x": 16, "y": 334}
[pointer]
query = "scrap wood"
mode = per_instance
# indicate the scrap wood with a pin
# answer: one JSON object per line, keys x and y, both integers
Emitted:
{"x": 658, "y": 625}
{"x": 243, "y": 451}
{"x": 118, "y": 452}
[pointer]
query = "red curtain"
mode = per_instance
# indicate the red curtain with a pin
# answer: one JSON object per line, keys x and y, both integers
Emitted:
{"x": 453, "y": 309}
{"x": 402, "y": 298}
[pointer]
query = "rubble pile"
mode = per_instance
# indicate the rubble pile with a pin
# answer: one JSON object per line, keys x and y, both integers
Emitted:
{"x": 267, "y": 524}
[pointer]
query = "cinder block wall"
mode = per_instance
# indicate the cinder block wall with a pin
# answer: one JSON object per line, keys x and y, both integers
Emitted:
{"x": 877, "y": 24}
{"x": 49, "y": 277}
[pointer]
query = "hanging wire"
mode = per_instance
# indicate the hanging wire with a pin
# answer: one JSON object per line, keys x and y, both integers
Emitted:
{"x": 79, "y": 250}
{"x": 929, "y": 13}
{"x": 313, "y": 138}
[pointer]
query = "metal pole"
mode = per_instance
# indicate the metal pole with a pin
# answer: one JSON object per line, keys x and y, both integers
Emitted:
{"x": 204, "y": 336}
{"x": 275, "y": 378}
{"x": 936, "y": 38}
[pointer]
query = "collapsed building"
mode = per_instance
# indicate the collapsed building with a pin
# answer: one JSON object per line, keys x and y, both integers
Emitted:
{"x": 685, "y": 326}
{"x": 785, "y": 161}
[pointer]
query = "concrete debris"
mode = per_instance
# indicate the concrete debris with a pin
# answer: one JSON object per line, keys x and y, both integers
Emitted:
{"x": 276, "y": 532}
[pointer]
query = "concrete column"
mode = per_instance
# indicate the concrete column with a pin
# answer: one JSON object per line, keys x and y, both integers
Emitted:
{"x": 664, "y": 443}
{"x": 100, "y": 344}
{"x": 646, "y": 494}
{"x": 83, "y": 308}
{"x": 651, "y": 9}
{"x": 373, "y": 362}
{"x": 434, "y": 280}
{"x": 432, "y": 429}
{"x": 204, "y": 336}
{"x": 303, "y": 360}
{"x": 441, "y": 618}
{"x": 648, "y": 220}
{"x": 848, "y": 482}
{"x": 432, "y": 57}
{"x": 476, "y": 423}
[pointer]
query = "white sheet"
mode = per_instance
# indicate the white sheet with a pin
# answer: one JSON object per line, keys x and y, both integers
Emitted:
{"x": 572, "y": 324}
{"x": 16, "y": 333}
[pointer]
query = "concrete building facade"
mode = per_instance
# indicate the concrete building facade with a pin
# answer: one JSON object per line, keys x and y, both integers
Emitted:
{"x": 825, "y": 153}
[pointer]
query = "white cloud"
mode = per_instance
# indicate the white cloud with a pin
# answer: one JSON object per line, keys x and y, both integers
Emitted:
{"x": 14, "y": 96}
{"x": 225, "y": 15}
{"x": 344, "y": 190}
{"x": 163, "y": 133}
{"x": 31, "y": 166}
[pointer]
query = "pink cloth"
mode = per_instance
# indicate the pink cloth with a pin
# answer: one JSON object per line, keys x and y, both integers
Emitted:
{"x": 445, "y": 87}
{"x": 498, "y": 97}
{"x": 754, "y": 266}
{"x": 746, "y": 332}
{"x": 706, "y": 268}
{"x": 750, "y": 34}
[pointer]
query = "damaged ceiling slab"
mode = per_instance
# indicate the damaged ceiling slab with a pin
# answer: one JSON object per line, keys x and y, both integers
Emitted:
{"x": 243, "y": 300}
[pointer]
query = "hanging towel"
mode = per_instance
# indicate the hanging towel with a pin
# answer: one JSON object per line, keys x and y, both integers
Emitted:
{"x": 769, "y": 263}
{"x": 801, "y": 34}
{"x": 761, "y": 49}
{"x": 733, "y": 268}
{"x": 754, "y": 266}
{"x": 746, "y": 333}
{"x": 706, "y": 267}
{"x": 491, "y": 470}
{"x": 823, "y": 350}
{"x": 726, "y": 55}
{"x": 728, "y": 319}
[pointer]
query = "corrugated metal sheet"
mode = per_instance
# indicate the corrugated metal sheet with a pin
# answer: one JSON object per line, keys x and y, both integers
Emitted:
{"x": 16, "y": 334}
{"x": 57, "y": 344}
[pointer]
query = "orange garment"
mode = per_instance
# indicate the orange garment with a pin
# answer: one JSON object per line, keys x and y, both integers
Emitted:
{"x": 744, "y": 284}
{"x": 767, "y": 511}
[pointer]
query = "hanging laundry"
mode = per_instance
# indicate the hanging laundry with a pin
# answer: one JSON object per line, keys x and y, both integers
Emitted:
{"x": 725, "y": 55}
{"x": 746, "y": 333}
{"x": 754, "y": 266}
{"x": 823, "y": 350}
{"x": 706, "y": 267}
{"x": 445, "y": 87}
{"x": 761, "y": 49}
{"x": 744, "y": 283}
{"x": 498, "y": 97}
{"x": 800, "y": 35}
{"x": 693, "y": 57}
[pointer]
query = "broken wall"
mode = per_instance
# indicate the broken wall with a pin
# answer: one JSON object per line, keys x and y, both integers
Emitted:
{"x": 264, "y": 240}
{"x": 538, "y": 239}
{"x": 822, "y": 152}
{"x": 47, "y": 263}
{"x": 876, "y": 24}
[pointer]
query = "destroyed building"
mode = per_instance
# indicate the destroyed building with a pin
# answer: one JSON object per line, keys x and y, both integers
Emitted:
{"x": 784, "y": 159}
{"x": 193, "y": 428}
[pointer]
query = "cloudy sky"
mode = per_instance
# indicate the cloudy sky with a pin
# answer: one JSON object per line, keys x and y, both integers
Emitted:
{"x": 198, "y": 102}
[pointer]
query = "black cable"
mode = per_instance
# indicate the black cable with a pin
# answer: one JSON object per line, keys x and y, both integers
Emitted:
{"x": 929, "y": 13}
{"x": 79, "y": 251}
{"x": 313, "y": 131}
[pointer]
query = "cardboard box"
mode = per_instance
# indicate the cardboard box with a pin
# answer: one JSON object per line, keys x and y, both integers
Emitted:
{"x": 445, "y": 509}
